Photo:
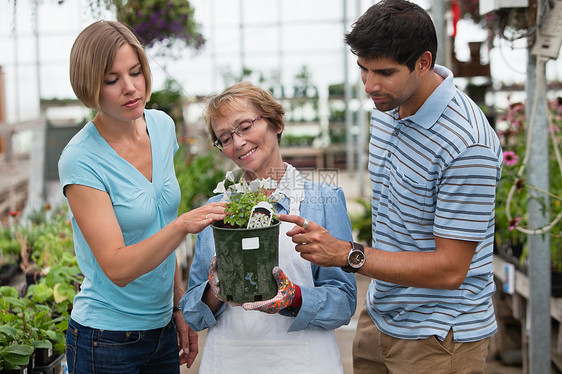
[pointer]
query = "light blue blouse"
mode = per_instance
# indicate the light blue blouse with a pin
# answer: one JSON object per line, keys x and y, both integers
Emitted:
{"x": 142, "y": 208}
{"x": 328, "y": 305}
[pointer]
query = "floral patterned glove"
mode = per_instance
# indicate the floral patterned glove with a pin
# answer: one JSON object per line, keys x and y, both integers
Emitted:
{"x": 285, "y": 295}
{"x": 214, "y": 279}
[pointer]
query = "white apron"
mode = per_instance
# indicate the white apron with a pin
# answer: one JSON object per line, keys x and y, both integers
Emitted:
{"x": 256, "y": 342}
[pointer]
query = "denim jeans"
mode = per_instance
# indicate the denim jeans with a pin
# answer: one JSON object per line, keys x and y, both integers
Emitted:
{"x": 113, "y": 352}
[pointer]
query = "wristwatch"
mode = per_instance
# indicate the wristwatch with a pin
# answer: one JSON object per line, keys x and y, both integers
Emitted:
{"x": 355, "y": 258}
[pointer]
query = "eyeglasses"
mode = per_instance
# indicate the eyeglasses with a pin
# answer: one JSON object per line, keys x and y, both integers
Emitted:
{"x": 243, "y": 129}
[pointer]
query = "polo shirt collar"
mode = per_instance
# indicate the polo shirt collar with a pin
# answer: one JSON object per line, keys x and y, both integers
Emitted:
{"x": 434, "y": 106}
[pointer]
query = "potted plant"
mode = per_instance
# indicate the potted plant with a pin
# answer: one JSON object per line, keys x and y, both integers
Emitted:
{"x": 15, "y": 354}
{"x": 246, "y": 241}
{"x": 161, "y": 23}
{"x": 45, "y": 238}
{"x": 16, "y": 345}
{"x": 30, "y": 321}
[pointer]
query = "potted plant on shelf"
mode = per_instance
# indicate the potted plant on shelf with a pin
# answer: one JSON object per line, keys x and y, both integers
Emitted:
{"x": 14, "y": 356}
{"x": 30, "y": 322}
{"x": 247, "y": 240}
{"x": 45, "y": 238}
{"x": 15, "y": 353}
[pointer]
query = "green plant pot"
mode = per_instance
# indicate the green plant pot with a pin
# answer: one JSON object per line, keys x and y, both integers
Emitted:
{"x": 245, "y": 259}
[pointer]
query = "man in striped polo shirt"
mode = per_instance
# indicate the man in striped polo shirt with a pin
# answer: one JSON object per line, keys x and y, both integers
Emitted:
{"x": 434, "y": 163}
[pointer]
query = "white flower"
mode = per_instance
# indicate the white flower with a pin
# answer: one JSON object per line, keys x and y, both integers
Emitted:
{"x": 219, "y": 188}
{"x": 226, "y": 196}
{"x": 238, "y": 188}
{"x": 229, "y": 176}
{"x": 255, "y": 185}
{"x": 241, "y": 187}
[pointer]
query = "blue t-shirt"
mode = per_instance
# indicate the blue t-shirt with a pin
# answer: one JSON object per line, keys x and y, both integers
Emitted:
{"x": 142, "y": 209}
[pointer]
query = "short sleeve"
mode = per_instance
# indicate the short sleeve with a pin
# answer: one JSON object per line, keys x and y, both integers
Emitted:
{"x": 466, "y": 198}
{"x": 77, "y": 166}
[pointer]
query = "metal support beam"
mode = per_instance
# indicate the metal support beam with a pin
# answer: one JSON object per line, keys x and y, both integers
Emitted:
{"x": 537, "y": 207}
{"x": 350, "y": 152}
{"x": 438, "y": 16}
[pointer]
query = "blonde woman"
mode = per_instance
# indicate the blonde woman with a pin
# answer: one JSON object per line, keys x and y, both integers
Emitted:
{"x": 117, "y": 175}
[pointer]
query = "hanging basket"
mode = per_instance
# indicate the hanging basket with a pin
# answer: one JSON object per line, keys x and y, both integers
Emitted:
{"x": 245, "y": 259}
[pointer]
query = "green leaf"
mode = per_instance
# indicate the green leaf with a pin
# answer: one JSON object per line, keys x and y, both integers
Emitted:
{"x": 17, "y": 354}
{"x": 63, "y": 292}
{"x": 8, "y": 291}
{"x": 46, "y": 344}
{"x": 42, "y": 293}
{"x": 16, "y": 302}
{"x": 9, "y": 331}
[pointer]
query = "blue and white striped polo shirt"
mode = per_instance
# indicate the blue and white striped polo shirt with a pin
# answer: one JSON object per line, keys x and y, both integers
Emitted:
{"x": 435, "y": 174}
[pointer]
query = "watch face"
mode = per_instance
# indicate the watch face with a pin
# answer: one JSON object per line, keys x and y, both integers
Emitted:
{"x": 356, "y": 259}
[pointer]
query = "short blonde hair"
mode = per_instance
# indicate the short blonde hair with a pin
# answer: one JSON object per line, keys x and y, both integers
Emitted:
{"x": 262, "y": 101}
{"x": 93, "y": 54}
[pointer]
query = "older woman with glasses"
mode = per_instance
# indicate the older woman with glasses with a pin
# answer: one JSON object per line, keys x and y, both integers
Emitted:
{"x": 295, "y": 334}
